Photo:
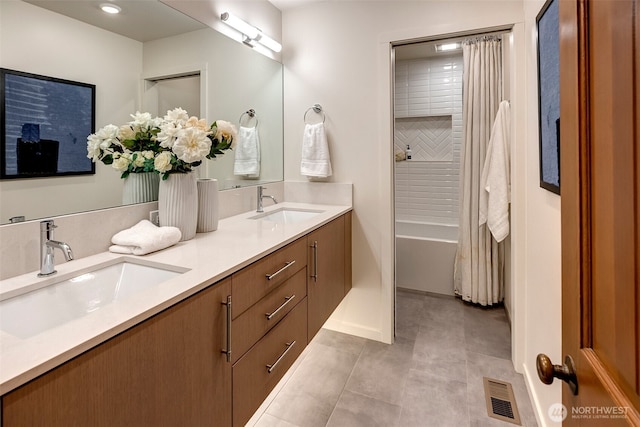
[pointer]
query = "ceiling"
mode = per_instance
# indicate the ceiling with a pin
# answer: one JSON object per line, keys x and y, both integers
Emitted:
{"x": 159, "y": 19}
{"x": 290, "y": 4}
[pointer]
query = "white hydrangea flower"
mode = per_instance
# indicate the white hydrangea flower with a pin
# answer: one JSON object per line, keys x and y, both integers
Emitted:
{"x": 120, "y": 162}
{"x": 168, "y": 134}
{"x": 141, "y": 120}
{"x": 192, "y": 145}
{"x": 108, "y": 135}
{"x": 139, "y": 161}
{"x": 225, "y": 130}
{"x": 177, "y": 115}
{"x": 162, "y": 162}
{"x": 200, "y": 124}
{"x": 93, "y": 147}
{"x": 126, "y": 132}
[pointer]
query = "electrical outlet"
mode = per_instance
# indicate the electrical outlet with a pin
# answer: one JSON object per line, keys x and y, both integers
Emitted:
{"x": 154, "y": 217}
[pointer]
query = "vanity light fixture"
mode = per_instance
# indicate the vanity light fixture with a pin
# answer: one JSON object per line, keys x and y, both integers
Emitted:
{"x": 110, "y": 8}
{"x": 447, "y": 46}
{"x": 250, "y": 33}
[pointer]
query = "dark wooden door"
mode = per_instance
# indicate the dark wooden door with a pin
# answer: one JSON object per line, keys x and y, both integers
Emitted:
{"x": 600, "y": 152}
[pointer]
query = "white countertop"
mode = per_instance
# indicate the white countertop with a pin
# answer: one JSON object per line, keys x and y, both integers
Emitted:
{"x": 210, "y": 257}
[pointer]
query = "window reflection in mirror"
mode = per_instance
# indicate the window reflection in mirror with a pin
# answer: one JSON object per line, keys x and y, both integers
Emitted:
{"x": 233, "y": 79}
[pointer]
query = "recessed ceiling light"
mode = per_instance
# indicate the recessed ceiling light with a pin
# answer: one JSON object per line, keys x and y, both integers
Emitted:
{"x": 448, "y": 46}
{"x": 110, "y": 8}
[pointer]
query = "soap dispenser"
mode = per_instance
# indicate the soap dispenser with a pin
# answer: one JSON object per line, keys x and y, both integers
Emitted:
{"x": 408, "y": 152}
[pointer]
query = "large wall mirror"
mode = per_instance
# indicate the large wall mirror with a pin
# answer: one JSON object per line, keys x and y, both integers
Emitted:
{"x": 148, "y": 58}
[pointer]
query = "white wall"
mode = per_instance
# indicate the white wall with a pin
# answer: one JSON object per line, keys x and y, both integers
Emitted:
{"x": 338, "y": 54}
{"x": 31, "y": 41}
{"x": 540, "y": 241}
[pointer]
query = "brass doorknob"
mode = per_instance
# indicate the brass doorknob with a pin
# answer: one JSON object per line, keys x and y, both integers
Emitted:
{"x": 547, "y": 371}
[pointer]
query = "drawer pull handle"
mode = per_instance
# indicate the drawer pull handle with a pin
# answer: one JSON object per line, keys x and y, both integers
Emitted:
{"x": 314, "y": 247}
{"x": 286, "y": 265}
{"x": 270, "y": 368}
{"x": 227, "y": 351}
{"x": 286, "y": 301}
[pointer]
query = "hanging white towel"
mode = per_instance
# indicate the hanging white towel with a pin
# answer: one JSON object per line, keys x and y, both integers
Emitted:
{"x": 144, "y": 238}
{"x": 495, "y": 186}
{"x": 315, "y": 152}
{"x": 247, "y": 152}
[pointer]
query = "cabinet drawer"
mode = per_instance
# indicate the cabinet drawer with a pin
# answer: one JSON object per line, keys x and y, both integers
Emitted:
{"x": 251, "y": 325}
{"x": 253, "y": 282}
{"x": 252, "y": 381}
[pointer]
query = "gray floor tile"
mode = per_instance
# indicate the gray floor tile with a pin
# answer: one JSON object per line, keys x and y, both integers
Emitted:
{"x": 410, "y": 313}
{"x": 356, "y": 410}
{"x": 382, "y": 369}
{"x": 340, "y": 341}
{"x": 430, "y": 400}
{"x": 487, "y": 331}
{"x": 431, "y": 376}
{"x": 445, "y": 310}
{"x": 454, "y": 369}
{"x": 311, "y": 393}
{"x": 267, "y": 420}
{"x": 437, "y": 342}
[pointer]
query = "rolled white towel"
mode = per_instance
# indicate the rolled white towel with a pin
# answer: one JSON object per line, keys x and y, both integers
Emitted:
{"x": 144, "y": 238}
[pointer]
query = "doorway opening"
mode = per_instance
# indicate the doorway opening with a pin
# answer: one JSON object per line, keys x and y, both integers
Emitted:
{"x": 428, "y": 141}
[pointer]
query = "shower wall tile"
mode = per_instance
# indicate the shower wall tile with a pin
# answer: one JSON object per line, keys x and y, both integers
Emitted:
{"x": 426, "y": 187}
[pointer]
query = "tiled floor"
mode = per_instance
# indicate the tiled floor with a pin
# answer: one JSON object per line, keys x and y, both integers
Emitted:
{"x": 431, "y": 376}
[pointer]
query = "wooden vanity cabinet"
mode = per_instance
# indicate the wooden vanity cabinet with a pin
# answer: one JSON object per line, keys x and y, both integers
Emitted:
{"x": 170, "y": 370}
{"x": 327, "y": 280}
{"x": 166, "y": 371}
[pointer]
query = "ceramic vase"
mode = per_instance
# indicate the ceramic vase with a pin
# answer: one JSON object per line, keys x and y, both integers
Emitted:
{"x": 140, "y": 188}
{"x": 178, "y": 203}
{"x": 207, "y": 205}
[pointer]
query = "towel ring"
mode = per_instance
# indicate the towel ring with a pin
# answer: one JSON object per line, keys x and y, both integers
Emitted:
{"x": 252, "y": 115}
{"x": 317, "y": 108}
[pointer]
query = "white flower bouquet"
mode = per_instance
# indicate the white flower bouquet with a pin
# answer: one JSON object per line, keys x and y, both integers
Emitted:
{"x": 174, "y": 144}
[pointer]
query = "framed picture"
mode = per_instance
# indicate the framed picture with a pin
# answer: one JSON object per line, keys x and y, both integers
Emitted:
{"x": 45, "y": 122}
{"x": 549, "y": 96}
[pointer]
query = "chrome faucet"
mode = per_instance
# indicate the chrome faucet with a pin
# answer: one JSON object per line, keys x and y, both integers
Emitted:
{"x": 47, "y": 245}
{"x": 263, "y": 196}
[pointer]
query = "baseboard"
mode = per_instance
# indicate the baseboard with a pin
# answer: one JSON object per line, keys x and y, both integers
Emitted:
{"x": 540, "y": 413}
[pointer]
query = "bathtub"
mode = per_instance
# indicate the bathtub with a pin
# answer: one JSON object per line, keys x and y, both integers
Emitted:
{"x": 424, "y": 256}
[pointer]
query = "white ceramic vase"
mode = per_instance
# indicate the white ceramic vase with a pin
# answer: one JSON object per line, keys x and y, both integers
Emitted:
{"x": 207, "y": 205}
{"x": 178, "y": 203}
{"x": 140, "y": 188}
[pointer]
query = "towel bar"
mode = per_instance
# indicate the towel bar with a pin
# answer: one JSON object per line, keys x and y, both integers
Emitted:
{"x": 317, "y": 108}
{"x": 252, "y": 115}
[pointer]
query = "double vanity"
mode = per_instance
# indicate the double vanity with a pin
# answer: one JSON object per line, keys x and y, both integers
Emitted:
{"x": 196, "y": 334}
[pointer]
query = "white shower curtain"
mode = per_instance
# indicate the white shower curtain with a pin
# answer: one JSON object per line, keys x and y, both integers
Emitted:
{"x": 479, "y": 263}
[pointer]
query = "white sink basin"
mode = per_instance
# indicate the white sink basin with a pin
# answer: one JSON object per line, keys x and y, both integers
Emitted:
{"x": 37, "y": 311}
{"x": 287, "y": 215}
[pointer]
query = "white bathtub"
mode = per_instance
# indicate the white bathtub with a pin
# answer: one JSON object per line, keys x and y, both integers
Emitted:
{"x": 424, "y": 256}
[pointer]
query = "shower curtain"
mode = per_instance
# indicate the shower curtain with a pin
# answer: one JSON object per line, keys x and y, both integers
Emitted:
{"x": 479, "y": 263}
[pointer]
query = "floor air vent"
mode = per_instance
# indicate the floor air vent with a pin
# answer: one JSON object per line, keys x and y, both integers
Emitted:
{"x": 501, "y": 403}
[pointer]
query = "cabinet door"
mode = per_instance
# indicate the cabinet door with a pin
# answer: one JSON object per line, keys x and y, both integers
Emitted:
{"x": 167, "y": 371}
{"x": 326, "y": 282}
